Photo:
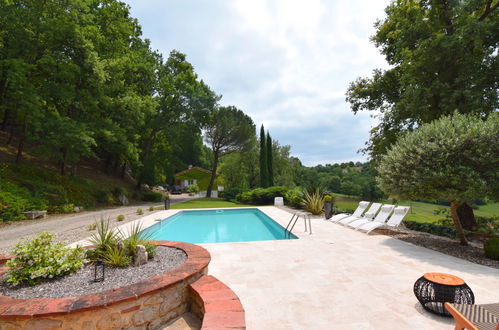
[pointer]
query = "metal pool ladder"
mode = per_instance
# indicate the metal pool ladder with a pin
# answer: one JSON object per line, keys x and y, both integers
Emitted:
{"x": 291, "y": 223}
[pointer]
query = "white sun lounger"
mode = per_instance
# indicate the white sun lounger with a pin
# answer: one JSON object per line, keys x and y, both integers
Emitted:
{"x": 369, "y": 215}
{"x": 398, "y": 215}
{"x": 357, "y": 213}
{"x": 382, "y": 216}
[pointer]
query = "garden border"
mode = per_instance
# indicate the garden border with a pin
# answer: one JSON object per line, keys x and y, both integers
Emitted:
{"x": 196, "y": 265}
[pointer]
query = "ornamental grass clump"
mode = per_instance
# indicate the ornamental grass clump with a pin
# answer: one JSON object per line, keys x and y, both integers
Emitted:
{"x": 116, "y": 256}
{"x": 39, "y": 259}
{"x": 136, "y": 236}
{"x": 313, "y": 202}
{"x": 117, "y": 248}
{"x": 103, "y": 239}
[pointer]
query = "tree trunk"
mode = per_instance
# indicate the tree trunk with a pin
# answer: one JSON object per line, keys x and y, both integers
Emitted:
{"x": 73, "y": 169}
{"x": 63, "y": 162}
{"x": 20, "y": 147}
{"x": 213, "y": 174}
{"x": 11, "y": 136}
{"x": 107, "y": 164}
{"x": 466, "y": 217}
{"x": 145, "y": 157}
{"x": 123, "y": 170}
{"x": 5, "y": 119}
{"x": 455, "y": 218}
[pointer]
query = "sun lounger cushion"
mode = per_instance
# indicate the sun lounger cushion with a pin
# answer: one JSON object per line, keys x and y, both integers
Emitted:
{"x": 399, "y": 210}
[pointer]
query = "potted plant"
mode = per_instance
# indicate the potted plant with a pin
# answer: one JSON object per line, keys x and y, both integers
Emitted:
{"x": 328, "y": 206}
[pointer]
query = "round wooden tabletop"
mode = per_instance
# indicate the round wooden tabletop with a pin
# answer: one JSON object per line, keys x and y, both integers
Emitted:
{"x": 444, "y": 279}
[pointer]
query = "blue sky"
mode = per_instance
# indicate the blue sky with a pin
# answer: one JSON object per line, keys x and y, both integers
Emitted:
{"x": 285, "y": 63}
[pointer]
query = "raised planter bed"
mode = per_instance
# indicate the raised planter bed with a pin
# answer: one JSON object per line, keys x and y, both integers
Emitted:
{"x": 146, "y": 304}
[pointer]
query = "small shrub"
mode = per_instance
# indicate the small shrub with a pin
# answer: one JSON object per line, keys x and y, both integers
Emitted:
{"x": 139, "y": 211}
{"x": 151, "y": 196}
{"x": 151, "y": 249}
{"x": 192, "y": 189}
{"x": 118, "y": 190}
{"x": 313, "y": 203}
{"x": 151, "y": 208}
{"x": 116, "y": 256}
{"x": 40, "y": 258}
{"x": 65, "y": 208}
{"x": 491, "y": 248}
{"x": 262, "y": 196}
{"x": 120, "y": 217}
{"x": 296, "y": 201}
{"x": 328, "y": 198}
{"x": 104, "y": 197}
{"x": 92, "y": 226}
{"x": 230, "y": 194}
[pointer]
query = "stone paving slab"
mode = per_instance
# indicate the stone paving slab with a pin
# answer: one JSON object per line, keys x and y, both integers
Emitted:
{"x": 338, "y": 278}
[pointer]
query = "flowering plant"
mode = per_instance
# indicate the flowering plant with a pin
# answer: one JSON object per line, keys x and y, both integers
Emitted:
{"x": 40, "y": 258}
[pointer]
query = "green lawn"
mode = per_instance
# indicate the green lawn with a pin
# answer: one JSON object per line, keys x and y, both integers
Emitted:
{"x": 208, "y": 203}
{"x": 421, "y": 212}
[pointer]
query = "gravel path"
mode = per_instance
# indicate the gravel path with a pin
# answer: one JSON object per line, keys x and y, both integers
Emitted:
{"x": 72, "y": 227}
{"x": 473, "y": 252}
{"x": 81, "y": 282}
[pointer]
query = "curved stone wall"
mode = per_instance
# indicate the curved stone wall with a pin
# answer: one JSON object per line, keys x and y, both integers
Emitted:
{"x": 146, "y": 304}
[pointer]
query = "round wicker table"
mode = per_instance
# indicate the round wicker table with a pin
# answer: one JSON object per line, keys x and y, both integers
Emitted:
{"x": 434, "y": 289}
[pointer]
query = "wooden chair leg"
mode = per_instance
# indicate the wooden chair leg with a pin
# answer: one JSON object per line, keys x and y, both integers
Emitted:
{"x": 461, "y": 321}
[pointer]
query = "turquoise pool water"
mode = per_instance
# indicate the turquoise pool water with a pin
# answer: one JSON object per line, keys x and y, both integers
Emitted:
{"x": 216, "y": 226}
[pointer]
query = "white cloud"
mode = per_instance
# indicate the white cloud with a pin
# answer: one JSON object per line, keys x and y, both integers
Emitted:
{"x": 287, "y": 63}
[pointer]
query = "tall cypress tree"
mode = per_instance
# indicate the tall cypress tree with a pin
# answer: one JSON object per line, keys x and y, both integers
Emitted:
{"x": 270, "y": 170}
{"x": 264, "y": 178}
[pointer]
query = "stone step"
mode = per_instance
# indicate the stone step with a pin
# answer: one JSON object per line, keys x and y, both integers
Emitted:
{"x": 186, "y": 321}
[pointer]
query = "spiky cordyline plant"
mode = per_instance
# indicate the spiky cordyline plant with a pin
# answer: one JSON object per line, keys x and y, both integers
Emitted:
{"x": 104, "y": 238}
{"x": 136, "y": 235}
{"x": 313, "y": 202}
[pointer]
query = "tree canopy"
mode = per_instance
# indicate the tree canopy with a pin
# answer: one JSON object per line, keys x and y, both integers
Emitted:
{"x": 454, "y": 158}
{"x": 77, "y": 79}
{"x": 443, "y": 58}
{"x": 228, "y": 130}
{"x": 270, "y": 168}
{"x": 264, "y": 173}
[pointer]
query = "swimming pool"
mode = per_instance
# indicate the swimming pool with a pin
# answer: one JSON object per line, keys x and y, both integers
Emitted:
{"x": 217, "y": 226}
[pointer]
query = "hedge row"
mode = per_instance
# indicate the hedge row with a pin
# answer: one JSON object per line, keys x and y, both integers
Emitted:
{"x": 262, "y": 196}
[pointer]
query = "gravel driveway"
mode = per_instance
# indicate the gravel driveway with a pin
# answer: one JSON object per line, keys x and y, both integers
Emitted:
{"x": 72, "y": 227}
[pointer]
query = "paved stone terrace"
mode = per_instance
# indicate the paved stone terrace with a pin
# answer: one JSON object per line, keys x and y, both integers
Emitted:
{"x": 338, "y": 278}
